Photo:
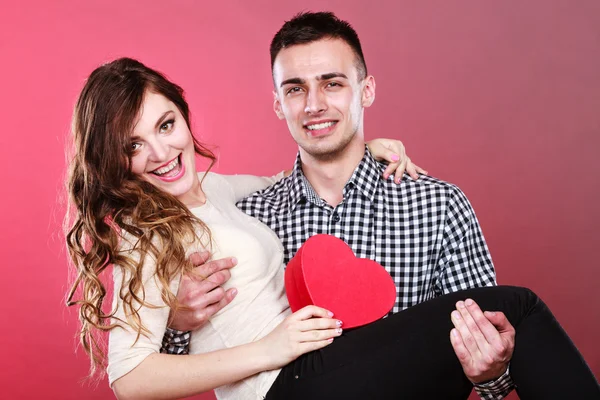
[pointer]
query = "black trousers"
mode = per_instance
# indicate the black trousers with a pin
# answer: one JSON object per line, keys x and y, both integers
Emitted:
{"x": 409, "y": 356}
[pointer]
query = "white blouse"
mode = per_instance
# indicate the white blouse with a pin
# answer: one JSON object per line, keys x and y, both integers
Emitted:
{"x": 258, "y": 308}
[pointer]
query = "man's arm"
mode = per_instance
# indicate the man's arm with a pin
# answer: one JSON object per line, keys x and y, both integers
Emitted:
{"x": 484, "y": 344}
{"x": 465, "y": 263}
{"x": 201, "y": 295}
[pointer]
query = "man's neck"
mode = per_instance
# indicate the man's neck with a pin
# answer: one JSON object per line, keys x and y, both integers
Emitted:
{"x": 329, "y": 176}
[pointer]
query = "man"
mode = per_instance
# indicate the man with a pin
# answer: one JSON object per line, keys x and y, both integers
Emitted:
{"x": 424, "y": 232}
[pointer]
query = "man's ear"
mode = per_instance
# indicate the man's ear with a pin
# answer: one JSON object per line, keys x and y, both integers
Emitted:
{"x": 277, "y": 106}
{"x": 368, "y": 91}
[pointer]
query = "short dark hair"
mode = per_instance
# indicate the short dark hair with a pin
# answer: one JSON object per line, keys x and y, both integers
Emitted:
{"x": 307, "y": 27}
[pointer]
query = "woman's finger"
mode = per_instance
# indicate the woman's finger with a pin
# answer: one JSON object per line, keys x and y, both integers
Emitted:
{"x": 412, "y": 170}
{"x": 310, "y": 312}
{"x": 420, "y": 170}
{"x": 319, "y": 335}
{"x": 400, "y": 170}
{"x": 389, "y": 170}
{"x": 318, "y": 323}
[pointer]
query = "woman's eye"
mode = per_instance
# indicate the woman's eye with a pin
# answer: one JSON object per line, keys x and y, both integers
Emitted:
{"x": 135, "y": 146}
{"x": 167, "y": 126}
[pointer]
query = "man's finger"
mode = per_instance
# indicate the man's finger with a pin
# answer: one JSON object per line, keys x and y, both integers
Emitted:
{"x": 466, "y": 335}
{"x": 205, "y": 270}
{"x": 499, "y": 320}
{"x": 199, "y": 257}
{"x": 459, "y": 347}
{"x": 226, "y": 299}
{"x": 475, "y": 330}
{"x": 205, "y": 285}
{"x": 488, "y": 330}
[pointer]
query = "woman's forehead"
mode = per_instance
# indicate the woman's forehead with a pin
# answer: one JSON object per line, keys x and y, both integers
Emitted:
{"x": 153, "y": 109}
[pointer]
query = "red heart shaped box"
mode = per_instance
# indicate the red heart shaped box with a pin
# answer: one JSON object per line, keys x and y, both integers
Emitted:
{"x": 326, "y": 273}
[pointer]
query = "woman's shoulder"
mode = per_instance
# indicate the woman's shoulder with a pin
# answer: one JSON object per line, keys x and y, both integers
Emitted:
{"x": 212, "y": 178}
{"x": 214, "y": 184}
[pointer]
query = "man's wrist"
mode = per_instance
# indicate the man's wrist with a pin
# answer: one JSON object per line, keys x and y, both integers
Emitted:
{"x": 497, "y": 388}
{"x": 175, "y": 341}
{"x": 175, "y": 332}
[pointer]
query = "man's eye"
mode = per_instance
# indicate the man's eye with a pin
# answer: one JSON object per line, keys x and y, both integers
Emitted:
{"x": 293, "y": 90}
{"x": 333, "y": 84}
{"x": 167, "y": 126}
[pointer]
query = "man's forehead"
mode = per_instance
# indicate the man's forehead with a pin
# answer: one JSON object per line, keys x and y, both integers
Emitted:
{"x": 313, "y": 60}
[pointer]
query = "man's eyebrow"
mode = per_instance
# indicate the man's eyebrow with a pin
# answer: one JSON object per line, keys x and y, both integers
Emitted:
{"x": 294, "y": 81}
{"x": 162, "y": 118}
{"x": 324, "y": 77}
{"x": 332, "y": 75}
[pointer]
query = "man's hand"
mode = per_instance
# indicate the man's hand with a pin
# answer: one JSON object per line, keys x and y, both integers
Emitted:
{"x": 201, "y": 291}
{"x": 483, "y": 342}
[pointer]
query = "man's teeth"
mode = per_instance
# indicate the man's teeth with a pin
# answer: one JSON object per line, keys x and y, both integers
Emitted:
{"x": 167, "y": 168}
{"x": 320, "y": 126}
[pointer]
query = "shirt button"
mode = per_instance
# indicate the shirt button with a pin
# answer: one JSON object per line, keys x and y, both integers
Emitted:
{"x": 336, "y": 218}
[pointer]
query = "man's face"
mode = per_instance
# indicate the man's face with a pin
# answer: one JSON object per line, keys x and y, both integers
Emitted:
{"x": 318, "y": 92}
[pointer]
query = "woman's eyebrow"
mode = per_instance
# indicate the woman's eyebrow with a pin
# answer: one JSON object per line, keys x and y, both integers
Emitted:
{"x": 162, "y": 118}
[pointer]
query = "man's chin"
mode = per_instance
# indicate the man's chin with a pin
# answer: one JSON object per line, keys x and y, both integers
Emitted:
{"x": 324, "y": 151}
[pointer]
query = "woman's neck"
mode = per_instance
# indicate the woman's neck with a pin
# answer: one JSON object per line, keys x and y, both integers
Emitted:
{"x": 195, "y": 197}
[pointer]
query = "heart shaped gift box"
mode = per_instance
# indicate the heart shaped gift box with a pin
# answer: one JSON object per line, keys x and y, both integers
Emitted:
{"x": 326, "y": 273}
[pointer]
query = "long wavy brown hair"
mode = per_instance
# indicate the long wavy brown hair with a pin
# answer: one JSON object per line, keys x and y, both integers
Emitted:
{"x": 108, "y": 201}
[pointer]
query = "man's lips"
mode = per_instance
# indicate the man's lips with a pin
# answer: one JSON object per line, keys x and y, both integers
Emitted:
{"x": 320, "y": 128}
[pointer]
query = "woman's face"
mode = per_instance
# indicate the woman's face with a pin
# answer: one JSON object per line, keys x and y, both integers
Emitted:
{"x": 163, "y": 149}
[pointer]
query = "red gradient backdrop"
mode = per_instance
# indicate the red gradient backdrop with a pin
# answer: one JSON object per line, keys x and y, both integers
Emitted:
{"x": 501, "y": 98}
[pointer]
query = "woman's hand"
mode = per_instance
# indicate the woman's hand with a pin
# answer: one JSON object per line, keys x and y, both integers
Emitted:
{"x": 308, "y": 329}
{"x": 394, "y": 153}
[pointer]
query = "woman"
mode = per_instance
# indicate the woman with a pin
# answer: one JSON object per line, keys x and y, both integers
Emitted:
{"x": 139, "y": 205}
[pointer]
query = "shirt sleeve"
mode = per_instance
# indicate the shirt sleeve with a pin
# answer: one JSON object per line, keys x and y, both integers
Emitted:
{"x": 465, "y": 261}
{"x": 176, "y": 342}
{"x": 496, "y": 389}
{"x": 125, "y": 349}
{"x": 245, "y": 185}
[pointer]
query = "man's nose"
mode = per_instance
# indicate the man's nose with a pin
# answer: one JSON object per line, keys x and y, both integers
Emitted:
{"x": 315, "y": 102}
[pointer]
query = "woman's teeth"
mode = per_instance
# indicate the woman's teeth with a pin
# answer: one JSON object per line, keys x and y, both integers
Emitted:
{"x": 167, "y": 168}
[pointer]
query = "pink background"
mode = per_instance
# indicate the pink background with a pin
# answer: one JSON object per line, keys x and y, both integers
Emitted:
{"x": 501, "y": 98}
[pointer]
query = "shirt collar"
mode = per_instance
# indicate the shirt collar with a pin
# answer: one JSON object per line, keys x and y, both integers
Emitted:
{"x": 365, "y": 178}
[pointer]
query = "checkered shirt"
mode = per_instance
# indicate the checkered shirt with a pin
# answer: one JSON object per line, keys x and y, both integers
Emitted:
{"x": 176, "y": 342}
{"x": 425, "y": 233}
